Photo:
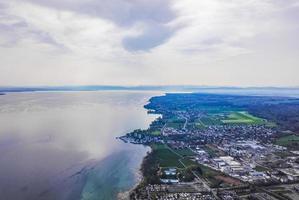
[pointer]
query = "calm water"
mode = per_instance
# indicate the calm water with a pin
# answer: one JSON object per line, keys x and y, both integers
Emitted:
{"x": 61, "y": 145}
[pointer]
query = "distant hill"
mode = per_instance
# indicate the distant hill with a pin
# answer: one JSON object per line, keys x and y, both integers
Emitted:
{"x": 273, "y": 91}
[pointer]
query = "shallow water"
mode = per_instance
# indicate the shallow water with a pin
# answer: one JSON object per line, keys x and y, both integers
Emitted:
{"x": 61, "y": 145}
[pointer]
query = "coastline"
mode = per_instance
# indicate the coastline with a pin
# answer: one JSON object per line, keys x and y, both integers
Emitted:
{"x": 142, "y": 174}
{"x": 140, "y": 178}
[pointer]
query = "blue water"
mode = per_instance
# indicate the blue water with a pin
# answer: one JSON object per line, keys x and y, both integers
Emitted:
{"x": 62, "y": 145}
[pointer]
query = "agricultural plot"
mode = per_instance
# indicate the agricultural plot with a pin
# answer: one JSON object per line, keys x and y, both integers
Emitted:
{"x": 210, "y": 120}
{"x": 199, "y": 125}
{"x": 288, "y": 141}
{"x": 230, "y": 118}
{"x": 260, "y": 168}
{"x": 242, "y": 118}
{"x": 165, "y": 157}
{"x": 184, "y": 152}
{"x": 187, "y": 162}
{"x": 212, "y": 150}
{"x": 156, "y": 132}
{"x": 175, "y": 123}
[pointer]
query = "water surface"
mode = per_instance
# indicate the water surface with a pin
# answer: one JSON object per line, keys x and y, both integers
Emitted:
{"x": 61, "y": 145}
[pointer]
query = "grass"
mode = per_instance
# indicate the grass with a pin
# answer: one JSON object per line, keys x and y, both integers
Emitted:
{"x": 175, "y": 124}
{"x": 242, "y": 117}
{"x": 165, "y": 157}
{"x": 174, "y": 158}
{"x": 212, "y": 151}
{"x": 158, "y": 146}
{"x": 260, "y": 168}
{"x": 156, "y": 133}
{"x": 184, "y": 152}
{"x": 230, "y": 117}
{"x": 217, "y": 179}
{"x": 284, "y": 154}
{"x": 206, "y": 171}
{"x": 211, "y": 120}
{"x": 199, "y": 124}
{"x": 271, "y": 124}
{"x": 188, "y": 162}
{"x": 288, "y": 141}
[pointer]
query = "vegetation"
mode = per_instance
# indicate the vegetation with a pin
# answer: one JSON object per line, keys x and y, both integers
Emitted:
{"x": 242, "y": 118}
{"x": 211, "y": 120}
{"x": 175, "y": 123}
{"x": 187, "y": 174}
{"x": 290, "y": 141}
{"x": 210, "y": 175}
{"x": 212, "y": 150}
{"x": 285, "y": 115}
{"x": 165, "y": 157}
{"x": 204, "y": 110}
{"x": 156, "y": 132}
{"x": 149, "y": 170}
{"x": 184, "y": 152}
{"x": 260, "y": 168}
{"x": 280, "y": 111}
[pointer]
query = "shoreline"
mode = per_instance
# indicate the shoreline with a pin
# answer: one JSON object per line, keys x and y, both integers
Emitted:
{"x": 125, "y": 195}
{"x": 142, "y": 178}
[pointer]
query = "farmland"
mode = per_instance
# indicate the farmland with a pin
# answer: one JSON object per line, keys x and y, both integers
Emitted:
{"x": 242, "y": 118}
{"x": 184, "y": 152}
{"x": 165, "y": 157}
{"x": 229, "y": 118}
{"x": 290, "y": 141}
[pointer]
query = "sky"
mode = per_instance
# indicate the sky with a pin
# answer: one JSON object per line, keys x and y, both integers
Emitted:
{"x": 149, "y": 42}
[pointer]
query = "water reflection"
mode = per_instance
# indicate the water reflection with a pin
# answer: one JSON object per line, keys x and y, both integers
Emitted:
{"x": 61, "y": 145}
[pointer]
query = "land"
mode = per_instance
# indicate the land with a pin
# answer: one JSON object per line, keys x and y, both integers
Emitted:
{"x": 208, "y": 146}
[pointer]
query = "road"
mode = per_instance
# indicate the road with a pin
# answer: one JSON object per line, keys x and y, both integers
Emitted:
{"x": 162, "y": 130}
{"x": 200, "y": 180}
{"x": 185, "y": 124}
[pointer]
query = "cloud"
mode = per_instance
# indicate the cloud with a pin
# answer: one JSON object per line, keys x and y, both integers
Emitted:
{"x": 154, "y": 16}
{"x": 151, "y": 36}
{"x": 211, "y": 42}
{"x": 13, "y": 29}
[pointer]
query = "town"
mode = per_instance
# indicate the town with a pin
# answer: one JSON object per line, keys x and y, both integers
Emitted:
{"x": 216, "y": 152}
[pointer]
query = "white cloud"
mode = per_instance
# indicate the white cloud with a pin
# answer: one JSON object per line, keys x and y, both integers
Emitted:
{"x": 209, "y": 42}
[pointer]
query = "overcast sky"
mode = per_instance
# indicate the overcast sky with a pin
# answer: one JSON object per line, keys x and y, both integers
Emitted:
{"x": 149, "y": 42}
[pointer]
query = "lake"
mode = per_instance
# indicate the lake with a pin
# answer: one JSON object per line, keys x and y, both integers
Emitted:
{"x": 62, "y": 145}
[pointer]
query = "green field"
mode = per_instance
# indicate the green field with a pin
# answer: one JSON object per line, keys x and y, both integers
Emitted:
{"x": 230, "y": 117}
{"x": 174, "y": 158}
{"x": 156, "y": 133}
{"x": 176, "y": 125}
{"x": 165, "y": 157}
{"x": 211, "y": 151}
{"x": 209, "y": 175}
{"x": 184, "y": 152}
{"x": 289, "y": 140}
{"x": 260, "y": 168}
{"x": 211, "y": 120}
{"x": 187, "y": 162}
{"x": 242, "y": 118}
{"x": 199, "y": 124}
